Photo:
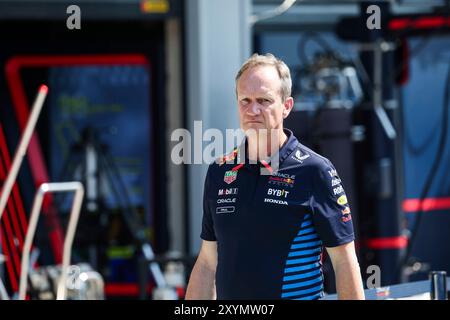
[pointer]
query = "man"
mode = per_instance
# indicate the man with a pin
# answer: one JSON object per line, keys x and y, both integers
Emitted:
{"x": 263, "y": 234}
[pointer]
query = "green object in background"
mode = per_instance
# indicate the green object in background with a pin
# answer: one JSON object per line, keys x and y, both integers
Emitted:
{"x": 121, "y": 252}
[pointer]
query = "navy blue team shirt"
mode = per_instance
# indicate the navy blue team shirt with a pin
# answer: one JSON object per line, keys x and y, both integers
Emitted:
{"x": 271, "y": 228}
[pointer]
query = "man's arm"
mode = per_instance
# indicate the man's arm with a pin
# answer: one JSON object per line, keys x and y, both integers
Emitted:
{"x": 202, "y": 284}
{"x": 346, "y": 269}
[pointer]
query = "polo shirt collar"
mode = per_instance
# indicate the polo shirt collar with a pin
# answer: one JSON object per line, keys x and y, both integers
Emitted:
{"x": 286, "y": 149}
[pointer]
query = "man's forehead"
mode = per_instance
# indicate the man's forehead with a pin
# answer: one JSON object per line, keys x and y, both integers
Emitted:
{"x": 261, "y": 78}
{"x": 261, "y": 72}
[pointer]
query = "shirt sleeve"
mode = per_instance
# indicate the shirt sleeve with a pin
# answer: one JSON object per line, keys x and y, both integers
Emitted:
{"x": 331, "y": 211}
{"x": 207, "y": 221}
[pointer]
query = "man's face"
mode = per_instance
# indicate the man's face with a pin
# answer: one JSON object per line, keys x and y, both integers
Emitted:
{"x": 259, "y": 99}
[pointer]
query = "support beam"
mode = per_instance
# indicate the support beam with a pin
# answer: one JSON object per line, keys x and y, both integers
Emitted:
{"x": 218, "y": 42}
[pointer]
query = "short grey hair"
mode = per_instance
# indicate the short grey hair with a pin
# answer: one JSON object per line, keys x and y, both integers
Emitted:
{"x": 269, "y": 60}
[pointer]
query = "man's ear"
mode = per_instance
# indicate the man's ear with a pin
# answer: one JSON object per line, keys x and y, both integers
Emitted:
{"x": 288, "y": 105}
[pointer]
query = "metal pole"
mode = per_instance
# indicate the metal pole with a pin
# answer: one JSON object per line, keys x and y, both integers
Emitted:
{"x": 3, "y": 293}
{"x": 378, "y": 91}
{"x": 154, "y": 266}
{"x": 22, "y": 148}
{"x": 438, "y": 290}
{"x": 70, "y": 233}
{"x": 73, "y": 221}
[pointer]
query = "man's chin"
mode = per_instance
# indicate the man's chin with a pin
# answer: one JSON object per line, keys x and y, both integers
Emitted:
{"x": 255, "y": 126}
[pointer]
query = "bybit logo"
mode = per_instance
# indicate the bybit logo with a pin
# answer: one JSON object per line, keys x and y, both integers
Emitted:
{"x": 277, "y": 193}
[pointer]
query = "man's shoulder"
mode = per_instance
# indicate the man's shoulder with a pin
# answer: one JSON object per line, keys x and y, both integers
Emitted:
{"x": 304, "y": 157}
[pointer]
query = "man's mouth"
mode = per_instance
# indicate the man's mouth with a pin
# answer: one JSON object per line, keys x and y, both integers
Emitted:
{"x": 254, "y": 121}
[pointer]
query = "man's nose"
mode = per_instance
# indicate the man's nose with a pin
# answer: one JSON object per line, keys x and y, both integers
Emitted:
{"x": 254, "y": 109}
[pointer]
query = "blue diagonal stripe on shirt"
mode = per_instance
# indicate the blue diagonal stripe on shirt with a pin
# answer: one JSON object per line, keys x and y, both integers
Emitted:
{"x": 302, "y": 283}
{"x": 308, "y": 237}
{"x": 304, "y": 252}
{"x": 302, "y": 268}
{"x": 306, "y": 223}
{"x": 305, "y": 231}
{"x": 303, "y": 260}
{"x": 301, "y": 292}
{"x": 302, "y": 275}
{"x": 306, "y": 245}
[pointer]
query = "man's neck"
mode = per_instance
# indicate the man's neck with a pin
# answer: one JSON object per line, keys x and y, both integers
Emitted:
{"x": 262, "y": 146}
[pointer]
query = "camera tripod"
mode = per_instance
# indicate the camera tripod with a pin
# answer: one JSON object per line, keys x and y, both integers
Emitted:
{"x": 96, "y": 162}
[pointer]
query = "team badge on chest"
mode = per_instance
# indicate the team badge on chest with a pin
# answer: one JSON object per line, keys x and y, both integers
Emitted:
{"x": 230, "y": 176}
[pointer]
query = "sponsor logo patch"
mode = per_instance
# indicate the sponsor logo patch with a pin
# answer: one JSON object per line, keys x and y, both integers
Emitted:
{"x": 223, "y": 210}
{"x": 298, "y": 156}
{"x": 346, "y": 214}
{"x": 230, "y": 176}
{"x": 338, "y": 190}
{"x": 228, "y": 200}
{"x": 342, "y": 200}
{"x": 276, "y": 201}
{"x": 282, "y": 179}
{"x": 332, "y": 173}
{"x": 346, "y": 218}
{"x": 346, "y": 210}
{"x": 277, "y": 192}
{"x": 335, "y": 182}
{"x": 227, "y": 192}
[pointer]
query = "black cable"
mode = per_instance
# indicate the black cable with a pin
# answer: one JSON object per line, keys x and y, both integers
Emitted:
{"x": 429, "y": 181}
